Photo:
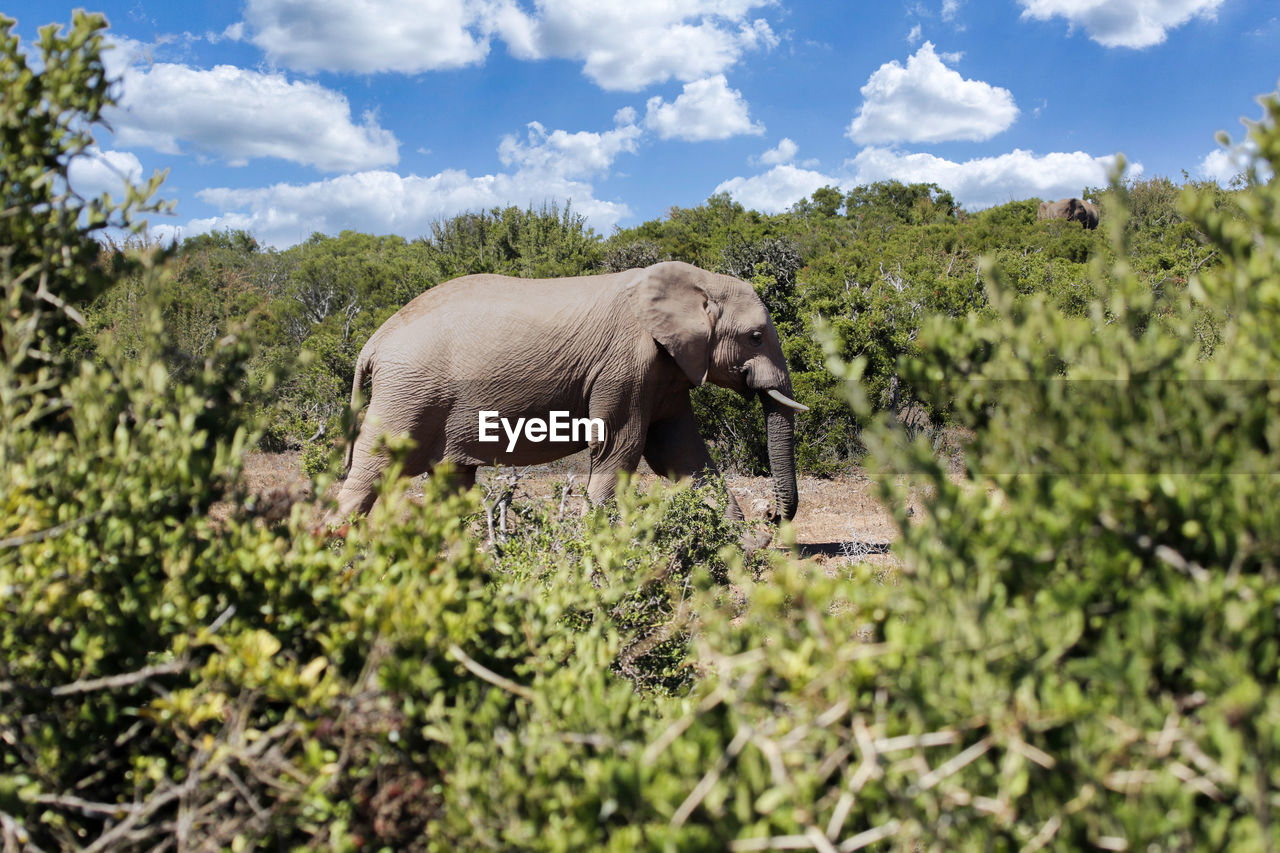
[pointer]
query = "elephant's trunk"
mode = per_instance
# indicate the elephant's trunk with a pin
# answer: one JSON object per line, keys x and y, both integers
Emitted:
{"x": 780, "y": 429}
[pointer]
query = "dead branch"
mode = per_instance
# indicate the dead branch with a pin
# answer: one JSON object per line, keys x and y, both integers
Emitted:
{"x": 869, "y": 837}
{"x": 709, "y": 779}
{"x": 15, "y": 837}
{"x": 51, "y": 532}
{"x": 955, "y": 764}
{"x": 109, "y": 682}
{"x": 480, "y": 671}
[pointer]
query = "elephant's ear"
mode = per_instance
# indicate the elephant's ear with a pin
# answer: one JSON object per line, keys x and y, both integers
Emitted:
{"x": 678, "y": 313}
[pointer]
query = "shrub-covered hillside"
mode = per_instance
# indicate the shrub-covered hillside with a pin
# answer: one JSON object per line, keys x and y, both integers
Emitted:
{"x": 1082, "y": 650}
{"x": 873, "y": 263}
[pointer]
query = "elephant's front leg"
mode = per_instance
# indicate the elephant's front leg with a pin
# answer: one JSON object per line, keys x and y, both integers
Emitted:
{"x": 674, "y": 449}
{"x": 620, "y": 451}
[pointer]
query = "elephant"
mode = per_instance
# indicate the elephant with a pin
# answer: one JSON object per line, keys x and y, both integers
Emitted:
{"x": 1074, "y": 209}
{"x": 622, "y": 350}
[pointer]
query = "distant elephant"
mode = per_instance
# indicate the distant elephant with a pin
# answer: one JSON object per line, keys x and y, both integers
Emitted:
{"x": 1074, "y": 209}
{"x": 624, "y": 348}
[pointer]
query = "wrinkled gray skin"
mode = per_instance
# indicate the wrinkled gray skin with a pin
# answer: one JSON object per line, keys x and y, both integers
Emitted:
{"x": 1073, "y": 209}
{"x": 624, "y": 347}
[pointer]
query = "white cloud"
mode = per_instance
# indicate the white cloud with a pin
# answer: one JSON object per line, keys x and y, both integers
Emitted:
{"x": 1225, "y": 164}
{"x": 976, "y": 183}
{"x": 122, "y": 53}
{"x": 369, "y": 35}
{"x": 707, "y": 109}
{"x": 95, "y": 172}
{"x": 926, "y": 101}
{"x": 777, "y": 189}
{"x": 1122, "y": 23}
{"x": 237, "y": 115}
{"x": 623, "y": 44}
{"x": 785, "y": 152}
{"x": 547, "y": 166}
{"x": 631, "y": 44}
{"x": 949, "y": 9}
{"x": 914, "y": 36}
{"x": 988, "y": 181}
{"x": 234, "y": 32}
{"x": 384, "y": 202}
{"x": 565, "y": 154}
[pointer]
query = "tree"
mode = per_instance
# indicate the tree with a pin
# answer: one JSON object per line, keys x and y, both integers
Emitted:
{"x": 238, "y": 241}
{"x": 770, "y": 264}
{"x": 827, "y": 201}
{"x": 634, "y": 254}
{"x": 885, "y": 203}
{"x": 509, "y": 241}
{"x": 46, "y": 121}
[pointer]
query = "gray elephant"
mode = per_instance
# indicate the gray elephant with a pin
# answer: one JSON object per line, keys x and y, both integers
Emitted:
{"x": 1071, "y": 209}
{"x": 615, "y": 354}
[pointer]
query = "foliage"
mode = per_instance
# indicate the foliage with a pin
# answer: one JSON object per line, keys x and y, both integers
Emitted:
{"x": 887, "y": 203}
{"x": 530, "y": 244}
{"x": 644, "y": 583}
{"x": 637, "y": 254}
{"x": 770, "y": 264}
{"x": 1081, "y": 650}
{"x": 733, "y": 427}
{"x": 47, "y": 231}
{"x": 1120, "y": 665}
{"x": 895, "y": 255}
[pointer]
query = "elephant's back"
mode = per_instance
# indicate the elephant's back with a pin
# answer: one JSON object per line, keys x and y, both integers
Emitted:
{"x": 500, "y": 298}
{"x": 481, "y": 324}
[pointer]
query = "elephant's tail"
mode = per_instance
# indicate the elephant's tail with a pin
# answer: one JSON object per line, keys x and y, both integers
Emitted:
{"x": 364, "y": 363}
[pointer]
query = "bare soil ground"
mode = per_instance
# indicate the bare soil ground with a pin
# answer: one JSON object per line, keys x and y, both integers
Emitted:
{"x": 840, "y": 520}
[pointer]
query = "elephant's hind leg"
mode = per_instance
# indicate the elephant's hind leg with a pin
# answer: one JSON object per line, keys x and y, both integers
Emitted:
{"x": 369, "y": 463}
{"x": 360, "y": 489}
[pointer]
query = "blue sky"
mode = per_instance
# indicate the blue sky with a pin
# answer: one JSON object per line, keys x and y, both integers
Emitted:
{"x": 286, "y": 117}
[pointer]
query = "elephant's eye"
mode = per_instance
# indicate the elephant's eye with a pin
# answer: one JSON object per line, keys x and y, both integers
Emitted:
{"x": 757, "y": 338}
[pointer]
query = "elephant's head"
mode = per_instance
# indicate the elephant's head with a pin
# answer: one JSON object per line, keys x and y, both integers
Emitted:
{"x": 1084, "y": 212}
{"x": 718, "y": 330}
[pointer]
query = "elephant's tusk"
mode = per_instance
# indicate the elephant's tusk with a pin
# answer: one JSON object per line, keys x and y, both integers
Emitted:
{"x": 786, "y": 401}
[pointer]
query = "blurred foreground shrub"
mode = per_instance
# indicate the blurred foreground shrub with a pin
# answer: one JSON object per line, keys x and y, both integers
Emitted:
{"x": 1097, "y": 595}
{"x": 1082, "y": 651}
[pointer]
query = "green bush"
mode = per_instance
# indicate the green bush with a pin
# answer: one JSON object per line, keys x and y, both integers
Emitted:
{"x": 47, "y": 234}
{"x": 545, "y": 243}
{"x": 1119, "y": 665}
{"x": 1080, "y": 651}
{"x": 678, "y": 541}
{"x": 636, "y": 254}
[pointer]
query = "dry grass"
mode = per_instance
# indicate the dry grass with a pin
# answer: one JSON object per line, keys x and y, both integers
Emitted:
{"x": 840, "y": 520}
{"x": 266, "y": 471}
{"x": 274, "y": 482}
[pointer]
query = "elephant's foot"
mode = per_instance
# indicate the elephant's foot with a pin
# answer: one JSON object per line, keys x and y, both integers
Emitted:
{"x": 327, "y": 531}
{"x": 754, "y": 540}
